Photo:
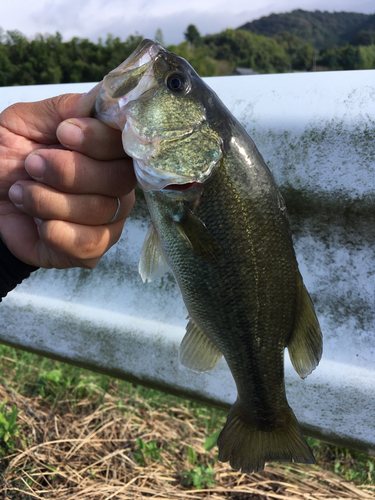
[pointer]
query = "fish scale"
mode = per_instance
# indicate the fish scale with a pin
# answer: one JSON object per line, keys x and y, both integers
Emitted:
{"x": 220, "y": 223}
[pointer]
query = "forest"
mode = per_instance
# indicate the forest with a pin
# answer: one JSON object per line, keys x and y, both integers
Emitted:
{"x": 321, "y": 29}
{"x": 279, "y": 43}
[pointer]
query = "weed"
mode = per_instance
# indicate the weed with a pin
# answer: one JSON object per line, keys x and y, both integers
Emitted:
{"x": 352, "y": 465}
{"x": 145, "y": 451}
{"x": 199, "y": 477}
{"x": 192, "y": 456}
{"x": 211, "y": 441}
{"x": 8, "y": 429}
{"x": 66, "y": 386}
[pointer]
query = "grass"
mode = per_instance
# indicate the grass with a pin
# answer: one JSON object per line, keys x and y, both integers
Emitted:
{"x": 68, "y": 433}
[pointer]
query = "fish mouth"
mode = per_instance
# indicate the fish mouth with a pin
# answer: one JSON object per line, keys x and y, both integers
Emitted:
{"x": 122, "y": 81}
{"x": 132, "y": 79}
{"x": 180, "y": 187}
{"x": 150, "y": 179}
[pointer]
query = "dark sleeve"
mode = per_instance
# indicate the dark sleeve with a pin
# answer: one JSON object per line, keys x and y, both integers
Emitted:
{"x": 12, "y": 270}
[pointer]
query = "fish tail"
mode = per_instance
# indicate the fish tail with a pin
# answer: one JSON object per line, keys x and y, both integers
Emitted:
{"x": 247, "y": 448}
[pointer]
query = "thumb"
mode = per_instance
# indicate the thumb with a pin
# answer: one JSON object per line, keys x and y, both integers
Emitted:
{"x": 83, "y": 105}
{"x": 39, "y": 120}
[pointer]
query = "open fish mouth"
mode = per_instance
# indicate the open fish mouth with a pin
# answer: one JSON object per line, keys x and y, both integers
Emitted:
{"x": 151, "y": 179}
{"x": 134, "y": 76}
{"x": 129, "y": 81}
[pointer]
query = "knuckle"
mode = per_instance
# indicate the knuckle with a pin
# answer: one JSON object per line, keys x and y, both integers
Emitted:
{"x": 65, "y": 172}
{"x": 31, "y": 198}
{"x": 92, "y": 242}
{"x": 53, "y": 235}
{"x": 76, "y": 241}
{"x": 58, "y": 104}
{"x": 41, "y": 201}
{"x": 99, "y": 209}
{"x": 103, "y": 142}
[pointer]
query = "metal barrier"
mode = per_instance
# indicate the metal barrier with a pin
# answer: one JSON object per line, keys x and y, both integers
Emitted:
{"x": 316, "y": 131}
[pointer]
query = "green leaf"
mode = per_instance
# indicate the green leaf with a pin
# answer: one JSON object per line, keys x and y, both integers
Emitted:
{"x": 3, "y": 404}
{"x": 53, "y": 376}
{"x": 13, "y": 417}
{"x": 211, "y": 441}
{"x": 192, "y": 457}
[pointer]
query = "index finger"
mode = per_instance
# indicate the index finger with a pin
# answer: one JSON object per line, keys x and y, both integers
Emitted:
{"x": 92, "y": 138}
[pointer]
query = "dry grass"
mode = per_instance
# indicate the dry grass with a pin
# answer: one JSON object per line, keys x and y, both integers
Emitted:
{"x": 91, "y": 449}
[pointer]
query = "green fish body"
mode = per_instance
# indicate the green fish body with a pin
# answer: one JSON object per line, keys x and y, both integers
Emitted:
{"x": 220, "y": 223}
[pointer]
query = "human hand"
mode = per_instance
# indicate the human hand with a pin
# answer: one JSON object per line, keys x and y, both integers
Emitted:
{"x": 60, "y": 175}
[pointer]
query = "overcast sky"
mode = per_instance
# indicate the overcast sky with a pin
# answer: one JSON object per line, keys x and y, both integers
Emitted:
{"x": 96, "y": 18}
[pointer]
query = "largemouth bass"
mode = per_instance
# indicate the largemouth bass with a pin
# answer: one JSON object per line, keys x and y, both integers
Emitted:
{"x": 220, "y": 223}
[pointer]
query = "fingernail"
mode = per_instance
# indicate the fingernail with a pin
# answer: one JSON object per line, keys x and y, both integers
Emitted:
{"x": 69, "y": 134}
{"x": 35, "y": 165}
{"x": 15, "y": 194}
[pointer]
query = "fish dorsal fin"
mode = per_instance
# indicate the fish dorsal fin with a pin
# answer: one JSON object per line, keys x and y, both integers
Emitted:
{"x": 197, "y": 352}
{"x": 153, "y": 263}
{"x": 199, "y": 237}
{"x": 306, "y": 343}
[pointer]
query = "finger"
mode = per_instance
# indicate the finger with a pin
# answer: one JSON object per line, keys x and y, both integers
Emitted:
{"x": 92, "y": 138}
{"x": 65, "y": 244}
{"x": 74, "y": 172}
{"x": 39, "y": 120}
{"x": 46, "y": 203}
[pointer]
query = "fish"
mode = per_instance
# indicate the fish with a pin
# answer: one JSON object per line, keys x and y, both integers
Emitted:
{"x": 219, "y": 222}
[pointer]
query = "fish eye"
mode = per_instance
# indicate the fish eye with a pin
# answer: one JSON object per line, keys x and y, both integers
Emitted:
{"x": 176, "y": 82}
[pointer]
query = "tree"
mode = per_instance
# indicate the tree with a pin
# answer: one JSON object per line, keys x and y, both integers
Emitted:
{"x": 343, "y": 58}
{"x": 199, "y": 58}
{"x": 364, "y": 37}
{"x": 192, "y": 35}
{"x": 6, "y": 67}
{"x": 247, "y": 50}
{"x": 159, "y": 37}
{"x": 301, "y": 53}
{"x": 367, "y": 56}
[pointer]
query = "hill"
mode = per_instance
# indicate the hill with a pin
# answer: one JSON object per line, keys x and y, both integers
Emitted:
{"x": 321, "y": 29}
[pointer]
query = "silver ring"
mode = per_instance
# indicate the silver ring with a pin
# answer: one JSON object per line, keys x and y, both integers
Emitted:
{"x": 117, "y": 211}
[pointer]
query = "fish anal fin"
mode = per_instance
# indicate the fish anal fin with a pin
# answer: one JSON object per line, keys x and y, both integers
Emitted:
{"x": 199, "y": 237}
{"x": 305, "y": 345}
{"x": 153, "y": 263}
{"x": 247, "y": 447}
{"x": 197, "y": 352}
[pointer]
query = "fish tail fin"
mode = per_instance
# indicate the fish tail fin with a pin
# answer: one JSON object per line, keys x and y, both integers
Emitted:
{"x": 247, "y": 447}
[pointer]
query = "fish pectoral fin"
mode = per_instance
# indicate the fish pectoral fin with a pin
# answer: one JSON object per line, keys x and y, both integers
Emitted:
{"x": 306, "y": 342}
{"x": 153, "y": 263}
{"x": 197, "y": 352}
{"x": 199, "y": 237}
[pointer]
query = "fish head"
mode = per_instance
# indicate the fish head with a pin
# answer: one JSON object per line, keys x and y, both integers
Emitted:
{"x": 160, "y": 103}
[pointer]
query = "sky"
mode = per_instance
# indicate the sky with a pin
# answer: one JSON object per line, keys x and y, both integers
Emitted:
{"x": 96, "y": 18}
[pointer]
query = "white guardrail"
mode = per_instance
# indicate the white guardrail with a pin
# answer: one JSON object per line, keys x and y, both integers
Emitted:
{"x": 316, "y": 131}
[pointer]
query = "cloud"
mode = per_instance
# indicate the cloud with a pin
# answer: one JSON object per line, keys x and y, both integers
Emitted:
{"x": 96, "y": 18}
